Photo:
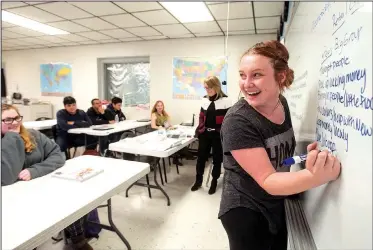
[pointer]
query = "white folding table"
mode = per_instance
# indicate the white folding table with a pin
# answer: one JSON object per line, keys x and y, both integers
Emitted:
{"x": 113, "y": 128}
{"x": 33, "y": 211}
{"x": 153, "y": 144}
{"x": 39, "y": 125}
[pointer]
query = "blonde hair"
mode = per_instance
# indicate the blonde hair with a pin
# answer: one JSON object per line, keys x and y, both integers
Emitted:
{"x": 214, "y": 83}
{"x": 27, "y": 138}
{"x": 154, "y": 109}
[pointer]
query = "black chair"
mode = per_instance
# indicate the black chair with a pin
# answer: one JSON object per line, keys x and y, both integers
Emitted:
{"x": 43, "y": 119}
{"x": 67, "y": 152}
{"x": 47, "y": 132}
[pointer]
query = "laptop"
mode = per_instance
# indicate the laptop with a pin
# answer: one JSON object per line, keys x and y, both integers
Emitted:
{"x": 143, "y": 120}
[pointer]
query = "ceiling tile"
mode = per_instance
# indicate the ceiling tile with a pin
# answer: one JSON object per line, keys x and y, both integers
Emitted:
{"x": 117, "y": 33}
{"x": 32, "y": 40}
{"x": 6, "y": 5}
{"x": 139, "y": 6}
{"x": 268, "y": 8}
{"x": 131, "y": 39}
{"x": 214, "y": 2}
{"x": 124, "y": 21}
{"x": 53, "y": 39}
{"x": 143, "y": 31}
{"x": 237, "y": 24}
{"x": 24, "y": 31}
{"x": 11, "y": 34}
{"x": 95, "y": 23}
{"x": 6, "y": 25}
{"x": 17, "y": 42}
{"x": 33, "y": 3}
{"x": 172, "y": 29}
{"x": 242, "y": 32}
{"x": 69, "y": 26}
{"x": 209, "y": 34}
{"x": 35, "y": 14}
{"x": 99, "y": 8}
{"x": 94, "y": 35}
{"x": 36, "y": 46}
{"x": 73, "y": 38}
{"x": 156, "y": 17}
{"x": 64, "y": 10}
{"x": 267, "y": 22}
{"x": 267, "y": 31}
{"x": 203, "y": 27}
{"x": 70, "y": 44}
{"x": 182, "y": 36}
{"x": 54, "y": 45}
{"x": 89, "y": 42}
{"x": 110, "y": 41}
{"x": 236, "y": 10}
{"x": 154, "y": 37}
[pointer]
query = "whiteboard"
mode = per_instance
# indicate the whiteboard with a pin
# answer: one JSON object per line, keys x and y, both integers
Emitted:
{"x": 330, "y": 46}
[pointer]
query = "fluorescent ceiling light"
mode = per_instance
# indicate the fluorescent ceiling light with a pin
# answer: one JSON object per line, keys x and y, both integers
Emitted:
{"x": 189, "y": 12}
{"x": 30, "y": 24}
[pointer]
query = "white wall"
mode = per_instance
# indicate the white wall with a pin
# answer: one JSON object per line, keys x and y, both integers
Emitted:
{"x": 22, "y": 69}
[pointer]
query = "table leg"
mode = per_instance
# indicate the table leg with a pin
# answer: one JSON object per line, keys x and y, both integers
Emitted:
{"x": 160, "y": 174}
{"x": 112, "y": 226}
{"x": 156, "y": 186}
{"x": 164, "y": 170}
{"x": 147, "y": 182}
{"x": 159, "y": 187}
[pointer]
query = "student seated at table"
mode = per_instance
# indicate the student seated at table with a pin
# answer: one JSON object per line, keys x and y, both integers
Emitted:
{"x": 29, "y": 154}
{"x": 161, "y": 120}
{"x": 97, "y": 114}
{"x": 68, "y": 118}
{"x": 115, "y": 108}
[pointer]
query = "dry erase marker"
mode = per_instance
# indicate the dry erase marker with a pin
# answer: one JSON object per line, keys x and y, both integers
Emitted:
{"x": 294, "y": 160}
{"x": 301, "y": 158}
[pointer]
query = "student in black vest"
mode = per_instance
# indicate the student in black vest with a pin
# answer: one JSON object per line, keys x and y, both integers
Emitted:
{"x": 214, "y": 107}
{"x": 257, "y": 135}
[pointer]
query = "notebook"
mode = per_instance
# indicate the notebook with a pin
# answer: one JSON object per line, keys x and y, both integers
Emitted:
{"x": 79, "y": 174}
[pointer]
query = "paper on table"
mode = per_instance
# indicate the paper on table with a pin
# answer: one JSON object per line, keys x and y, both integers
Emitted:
{"x": 80, "y": 175}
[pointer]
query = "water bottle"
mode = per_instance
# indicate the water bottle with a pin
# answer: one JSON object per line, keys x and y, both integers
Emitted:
{"x": 116, "y": 119}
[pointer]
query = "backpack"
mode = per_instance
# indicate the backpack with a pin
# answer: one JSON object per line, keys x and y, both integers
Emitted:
{"x": 91, "y": 230}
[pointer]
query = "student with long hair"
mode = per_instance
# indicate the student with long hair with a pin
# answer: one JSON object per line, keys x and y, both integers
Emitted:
{"x": 214, "y": 107}
{"x": 29, "y": 154}
{"x": 257, "y": 135}
{"x": 160, "y": 119}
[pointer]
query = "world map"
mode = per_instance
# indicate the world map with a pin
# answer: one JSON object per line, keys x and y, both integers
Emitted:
{"x": 55, "y": 79}
{"x": 190, "y": 73}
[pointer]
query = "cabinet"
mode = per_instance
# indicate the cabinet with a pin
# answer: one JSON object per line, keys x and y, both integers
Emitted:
{"x": 34, "y": 111}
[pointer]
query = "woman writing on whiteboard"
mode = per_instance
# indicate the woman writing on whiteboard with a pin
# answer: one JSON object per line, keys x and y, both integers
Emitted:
{"x": 257, "y": 135}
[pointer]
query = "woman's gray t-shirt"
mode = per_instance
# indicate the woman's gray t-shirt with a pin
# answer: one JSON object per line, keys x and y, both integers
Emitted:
{"x": 244, "y": 127}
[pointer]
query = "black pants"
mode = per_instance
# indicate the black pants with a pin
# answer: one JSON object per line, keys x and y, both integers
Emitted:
{"x": 207, "y": 140}
{"x": 248, "y": 229}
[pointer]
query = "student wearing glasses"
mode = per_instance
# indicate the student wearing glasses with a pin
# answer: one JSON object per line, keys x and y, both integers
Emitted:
{"x": 29, "y": 154}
